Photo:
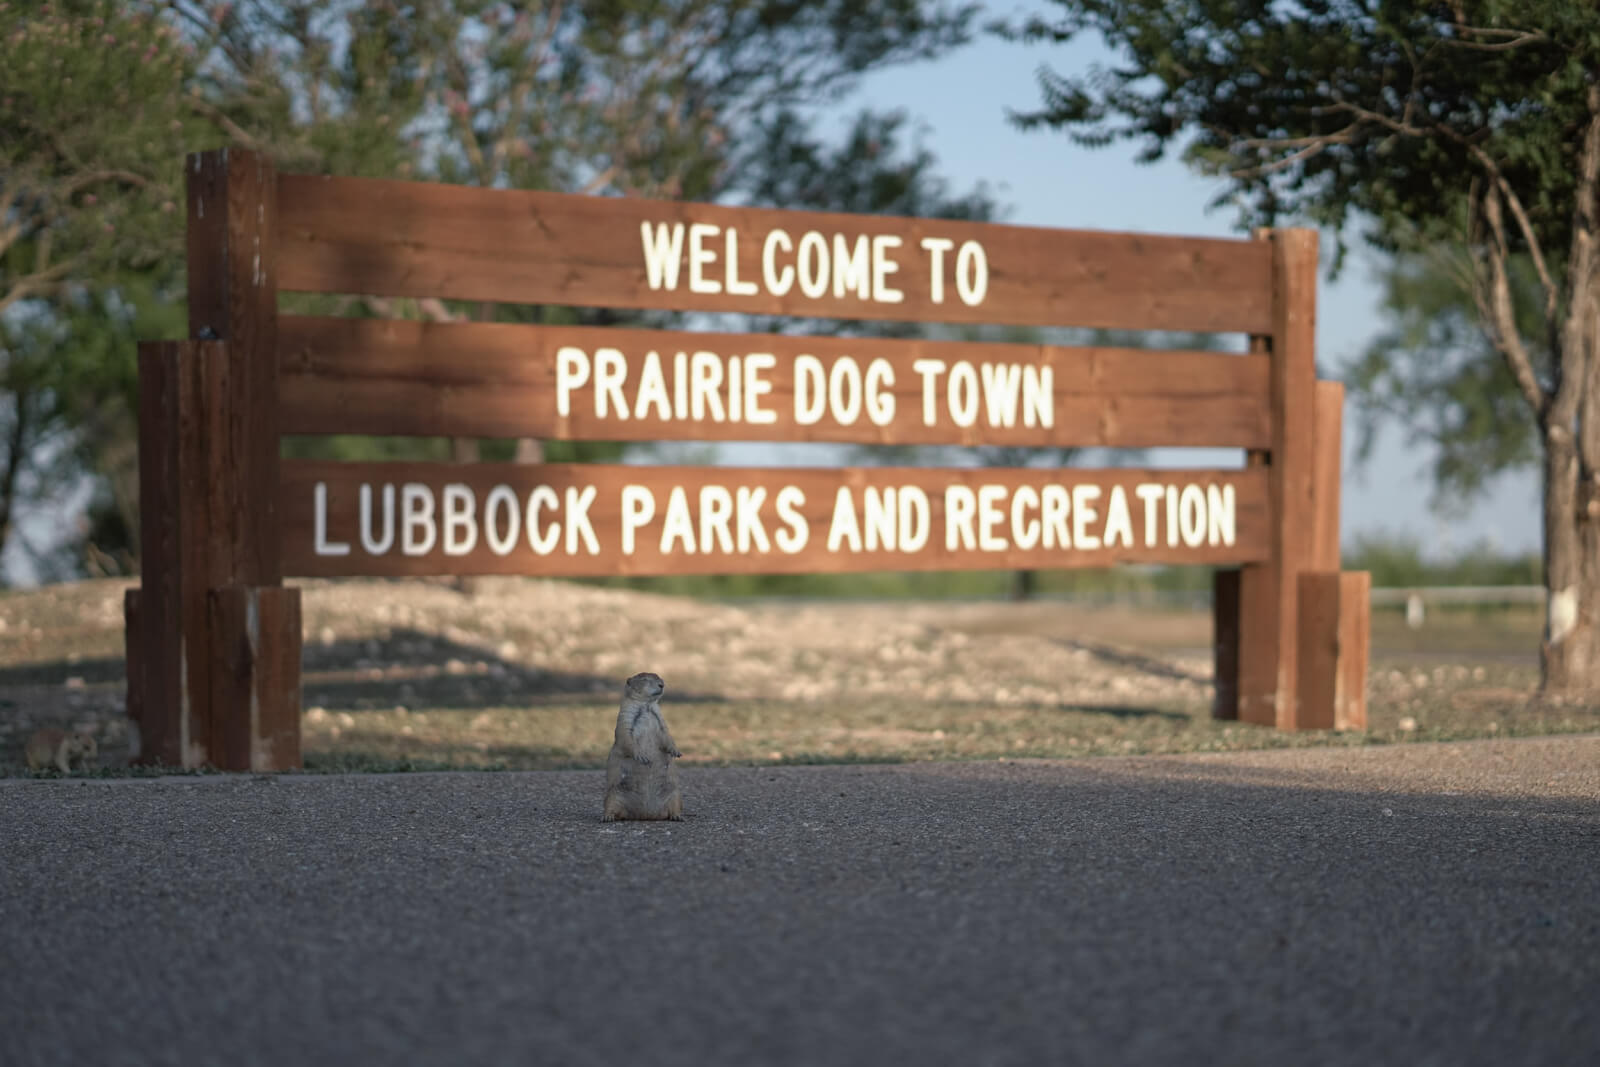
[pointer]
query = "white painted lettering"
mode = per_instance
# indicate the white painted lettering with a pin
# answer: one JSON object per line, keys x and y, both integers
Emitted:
{"x": 542, "y": 543}
{"x": 652, "y": 389}
{"x": 701, "y": 258}
{"x": 417, "y": 533}
{"x": 962, "y": 393}
{"x": 852, "y": 267}
{"x": 460, "y": 520}
{"x": 705, "y": 371}
{"x": 882, "y": 267}
{"x": 1083, "y": 513}
{"x": 1192, "y": 515}
{"x": 1220, "y": 515}
{"x": 377, "y": 546}
{"x": 756, "y": 386}
{"x": 610, "y": 372}
{"x": 844, "y": 526}
{"x": 972, "y": 273}
{"x": 638, "y": 508}
{"x": 880, "y": 392}
{"x": 1038, "y": 396}
{"x": 319, "y": 522}
{"x": 878, "y": 515}
{"x": 501, "y": 542}
{"x": 960, "y": 509}
{"x": 810, "y": 390}
{"x": 929, "y": 370}
{"x": 751, "y": 533}
{"x": 716, "y": 518}
{"x": 778, "y": 282}
{"x": 916, "y": 519}
{"x": 789, "y": 502}
{"x": 578, "y": 525}
{"x": 736, "y": 285}
{"x": 813, "y": 264}
{"x": 990, "y": 516}
{"x": 1150, "y": 493}
{"x": 679, "y": 524}
{"x": 1001, "y": 382}
{"x": 936, "y": 247}
{"x": 1055, "y": 505}
{"x": 572, "y": 372}
{"x": 663, "y": 252}
{"x": 844, "y": 391}
{"x": 1119, "y": 524}
{"x": 1024, "y": 530}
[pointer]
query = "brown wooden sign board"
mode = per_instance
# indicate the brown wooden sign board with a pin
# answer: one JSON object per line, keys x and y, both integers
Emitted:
{"x": 596, "y": 519}
{"x": 412, "y": 239}
{"x": 377, "y": 376}
{"x": 213, "y": 637}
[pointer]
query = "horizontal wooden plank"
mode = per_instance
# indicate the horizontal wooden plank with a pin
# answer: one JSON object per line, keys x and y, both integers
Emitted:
{"x": 395, "y": 377}
{"x": 415, "y": 239}
{"x": 592, "y": 519}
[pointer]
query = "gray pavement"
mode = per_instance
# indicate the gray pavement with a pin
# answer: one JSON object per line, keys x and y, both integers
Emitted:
{"x": 1415, "y": 904}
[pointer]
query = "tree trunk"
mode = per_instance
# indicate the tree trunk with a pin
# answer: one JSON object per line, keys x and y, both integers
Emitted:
{"x": 1570, "y": 650}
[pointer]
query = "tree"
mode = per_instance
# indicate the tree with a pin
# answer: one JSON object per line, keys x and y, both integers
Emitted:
{"x": 1420, "y": 123}
{"x": 1432, "y": 373}
{"x": 92, "y": 129}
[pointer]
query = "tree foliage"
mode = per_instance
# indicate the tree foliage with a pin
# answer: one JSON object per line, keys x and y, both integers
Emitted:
{"x": 1424, "y": 125}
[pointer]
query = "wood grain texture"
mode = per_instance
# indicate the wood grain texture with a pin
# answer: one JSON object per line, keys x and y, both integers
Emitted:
{"x": 396, "y": 377}
{"x": 233, "y": 297}
{"x": 414, "y": 239}
{"x": 1001, "y": 533}
{"x": 1334, "y": 639}
{"x": 1268, "y": 595}
{"x": 255, "y": 677}
{"x": 1327, "y": 443}
{"x": 183, "y": 476}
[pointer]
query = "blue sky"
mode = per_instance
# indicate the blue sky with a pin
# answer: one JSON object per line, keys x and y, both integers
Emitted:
{"x": 1045, "y": 180}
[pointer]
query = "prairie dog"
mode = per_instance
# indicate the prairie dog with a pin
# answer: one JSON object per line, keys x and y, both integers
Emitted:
{"x": 59, "y": 748}
{"x": 641, "y": 782}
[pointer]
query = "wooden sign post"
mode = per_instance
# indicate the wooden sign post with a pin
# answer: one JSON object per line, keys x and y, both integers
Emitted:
{"x": 213, "y": 636}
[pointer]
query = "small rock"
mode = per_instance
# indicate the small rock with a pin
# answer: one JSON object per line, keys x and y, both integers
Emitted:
{"x": 346, "y": 719}
{"x": 316, "y": 715}
{"x": 1407, "y": 725}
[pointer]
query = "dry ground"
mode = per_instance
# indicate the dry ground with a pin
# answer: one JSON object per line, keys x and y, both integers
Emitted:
{"x": 524, "y": 673}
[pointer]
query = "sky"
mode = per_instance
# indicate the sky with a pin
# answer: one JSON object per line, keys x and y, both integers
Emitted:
{"x": 961, "y": 100}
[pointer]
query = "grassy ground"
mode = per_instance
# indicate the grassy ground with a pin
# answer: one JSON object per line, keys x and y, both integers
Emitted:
{"x": 401, "y": 677}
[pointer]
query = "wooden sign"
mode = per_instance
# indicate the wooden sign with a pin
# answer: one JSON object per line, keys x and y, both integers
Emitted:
{"x": 343, "y": 375}
{"x": 389, "y": 238}
{"x": 592, "y": 519}
{"x": 213, "y": 637}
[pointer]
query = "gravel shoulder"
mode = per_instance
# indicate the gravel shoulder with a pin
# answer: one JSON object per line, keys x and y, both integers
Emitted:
{"x": 1416, "y": 904}
{"x": 524, "y": 674}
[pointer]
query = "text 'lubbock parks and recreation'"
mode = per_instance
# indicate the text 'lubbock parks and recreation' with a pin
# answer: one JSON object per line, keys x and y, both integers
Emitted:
{"x": 417, "y": 519}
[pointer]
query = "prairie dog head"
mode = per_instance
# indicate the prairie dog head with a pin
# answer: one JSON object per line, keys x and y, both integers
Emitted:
{"x": 81, "y": 744}
{"x": 645, "y": 688}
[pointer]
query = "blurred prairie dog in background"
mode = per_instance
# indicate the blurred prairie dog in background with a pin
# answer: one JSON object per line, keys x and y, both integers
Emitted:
{"x": 54, "y": 747}
{"x": 641, "y": 782}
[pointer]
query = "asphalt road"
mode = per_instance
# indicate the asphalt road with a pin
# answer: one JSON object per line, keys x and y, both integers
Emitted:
{"x": 1415, "y": 904}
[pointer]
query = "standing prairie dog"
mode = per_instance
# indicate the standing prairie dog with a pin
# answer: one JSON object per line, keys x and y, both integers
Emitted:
{"x": 59, "y": 748}
{"x": 641, "y": 782}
